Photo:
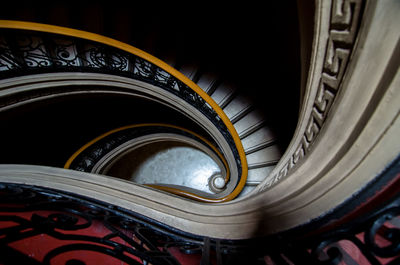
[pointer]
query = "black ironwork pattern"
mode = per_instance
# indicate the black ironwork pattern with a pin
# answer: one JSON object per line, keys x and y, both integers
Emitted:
{"x": 86, "y": 160}
{"x": 65, "y": 218}
{"x": 133, "y": 239}
{"x": 375, "y": 240}
{"x": 26, "y": 52}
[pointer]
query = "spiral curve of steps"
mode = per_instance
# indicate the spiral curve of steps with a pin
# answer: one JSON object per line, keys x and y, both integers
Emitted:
{"x": 261, "y": 142}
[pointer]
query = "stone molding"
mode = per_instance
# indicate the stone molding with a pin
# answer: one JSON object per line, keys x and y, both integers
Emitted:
{"x": 334, "y": 43}
{"x": 355, "y": 115}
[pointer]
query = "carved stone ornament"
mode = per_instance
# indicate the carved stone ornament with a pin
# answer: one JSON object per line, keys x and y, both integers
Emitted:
{"x": 343, "y": 26}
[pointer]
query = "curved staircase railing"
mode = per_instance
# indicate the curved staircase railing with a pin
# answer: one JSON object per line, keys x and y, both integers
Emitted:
{"x": 355, "y": 45}
{"x": 41, "y": 48}
{"x": 67, "y": 225}
{"x": 91, "y": 154}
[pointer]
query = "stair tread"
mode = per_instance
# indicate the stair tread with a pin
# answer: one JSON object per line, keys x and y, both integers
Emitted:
{"x": 260, "y": 146}
{"x": 207, "y": 82}
{"x": 271, "y": 153}
{"x": 222, "y": 93}
{"x": 259, "y": 174}
{"x": 260, "y": 137}
{"x": 263, "y": 164}
{"x": 249, "y": 123}
{"x": 226, "y": 100}
{"x": 237, "y": 108}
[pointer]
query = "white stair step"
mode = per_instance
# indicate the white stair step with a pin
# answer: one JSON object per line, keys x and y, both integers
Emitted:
{"x": 267, "y": 156}
{"x": 223, "y": 93}
{"x": 258, "y": 139}
{"x": 207, "y": 82}
{"x": 258, "y": 174}
{"x": 249, "y": 123}
{"x": 237, "y": 108}
{"x": 260, "y": 146}
{"x": 269, "y": 163}
{"x": 254, "y": 178}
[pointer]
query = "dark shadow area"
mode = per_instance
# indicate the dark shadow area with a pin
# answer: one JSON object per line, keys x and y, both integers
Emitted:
{"x": 254, "y": 46}
{"x": 50, "y": 131}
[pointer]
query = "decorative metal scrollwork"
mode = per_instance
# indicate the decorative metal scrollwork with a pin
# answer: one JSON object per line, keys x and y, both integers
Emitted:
{"x": 73, "y": 230}
{"x": 391, "y": 234}
{"x": 25, "y": 52}
{"x": 71, "y": 225}
{"x": 65, "y": 54}
{"x": 373, "y": 240}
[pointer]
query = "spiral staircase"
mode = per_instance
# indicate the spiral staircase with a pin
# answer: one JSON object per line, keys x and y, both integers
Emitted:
{"x": 176, "y": 132}
{"x": 256, "y": 130}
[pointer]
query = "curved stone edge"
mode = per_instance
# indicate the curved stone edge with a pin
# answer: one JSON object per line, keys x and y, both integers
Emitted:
{"x": 358, "y": 140}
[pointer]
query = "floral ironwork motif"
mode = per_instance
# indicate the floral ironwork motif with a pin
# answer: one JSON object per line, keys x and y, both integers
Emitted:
{"x": 24, "y": 52}
{"x": 79, "y": 226}
{"x": 86, "y": 160}
{"x": 66, "y": 225}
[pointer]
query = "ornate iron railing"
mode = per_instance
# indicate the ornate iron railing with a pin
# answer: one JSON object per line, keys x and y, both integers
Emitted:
{"x": 45, "y": 226}
{"x": 80, "y": 225}
{"x": 24, "y": 52}
{"x": 90, "y": 154}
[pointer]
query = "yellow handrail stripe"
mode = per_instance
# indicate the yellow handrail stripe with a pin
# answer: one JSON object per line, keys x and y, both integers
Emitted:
{"x": 80, "y": 150}
{"x": 12, "y": 24}
{"x": 176, "y": 191}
